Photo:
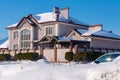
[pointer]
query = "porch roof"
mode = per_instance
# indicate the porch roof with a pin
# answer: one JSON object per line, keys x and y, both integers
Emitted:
{"x": 58, "y": 39}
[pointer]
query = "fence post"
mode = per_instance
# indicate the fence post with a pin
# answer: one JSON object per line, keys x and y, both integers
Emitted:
{"x": 3, "y": 51}
{"x": 20, "y": 51}
{"x": 92, "y": 49}
{"x": 34, "y": 49}
{"x": 55, "y": 54}
{"x": 41, "y": 52}
{"x": 118, "y": 49}
{"x": 15, "y": 52}
{"x": 9, "y": 51}
{"x": 76, "y": 49}
{"x": 84, "y": 55}
{"x": 27, "y": 50}
{"x": 84, "y": 49}
{"x": 113, "y": 50}
{"x": 106, "y": 50}
{"x": 70, "y": 48}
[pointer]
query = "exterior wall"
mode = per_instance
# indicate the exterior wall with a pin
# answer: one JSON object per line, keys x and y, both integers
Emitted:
{"x": 63, "y": 29}
{"x": 36, "y": 32}
{"x": 77, "y": 36}
{"x": 40, "y": 32}
{"x": 12, "y": 40}
{"x": 105, "y": 43}
{"x": 24, "y": 25}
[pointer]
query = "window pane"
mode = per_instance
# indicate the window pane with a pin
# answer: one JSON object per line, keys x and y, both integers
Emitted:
{"x": 25, "y": 38}
{"x": 48, "y": 30}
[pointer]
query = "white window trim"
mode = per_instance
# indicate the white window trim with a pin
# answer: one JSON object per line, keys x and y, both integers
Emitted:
{"x": 14, "y": 34}
{"x": 47, "y": 27}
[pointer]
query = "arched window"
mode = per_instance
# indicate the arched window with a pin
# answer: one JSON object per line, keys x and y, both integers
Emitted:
{"x": 25, "y": 39}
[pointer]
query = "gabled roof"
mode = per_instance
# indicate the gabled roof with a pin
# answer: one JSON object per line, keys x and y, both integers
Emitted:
{"x": 56, "y": 38}
{"x": 23, "y": 19}
{"x": 97, "y": 33}
{"x": 106, "y": 34}
{"x": 51, "y": 16}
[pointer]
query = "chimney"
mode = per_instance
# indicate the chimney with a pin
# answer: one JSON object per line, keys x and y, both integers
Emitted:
{"x": 56, "y": 10}
{"x": 96, "y": 27}
{"x": 65, "y": 13}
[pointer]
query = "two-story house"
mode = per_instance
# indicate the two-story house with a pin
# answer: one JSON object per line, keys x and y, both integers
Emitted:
{"x": 58, "y": 29}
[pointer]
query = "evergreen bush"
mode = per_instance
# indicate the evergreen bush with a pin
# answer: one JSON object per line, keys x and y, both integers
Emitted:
{"x": 77, "y": 57}
{"x": 5, "y": 57}
{"x": 27, "y": 56}
{"x": 69, "y": 56}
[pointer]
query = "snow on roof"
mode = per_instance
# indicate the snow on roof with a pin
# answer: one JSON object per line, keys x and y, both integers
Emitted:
{"x": 50, "y": 16}
{"x": 100, "y": 33}
{"x": 89, "y": 32}
{"x": 106, "y": 34}
{"x": 13, "y": 25}
{"x": 81, "y": 31}
{"x": 76, "y": 21}
{"x": 5, "y": 44}
{"x": 63, "y": 38}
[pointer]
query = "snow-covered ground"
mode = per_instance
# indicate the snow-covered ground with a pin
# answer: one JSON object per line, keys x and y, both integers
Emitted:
{"x": 40, "y": 70}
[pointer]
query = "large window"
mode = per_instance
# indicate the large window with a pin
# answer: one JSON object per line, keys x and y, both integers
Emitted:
{"x": 15, "y": 34}
{"x": 25, "y": 39}
{"x": 49, "y": 31}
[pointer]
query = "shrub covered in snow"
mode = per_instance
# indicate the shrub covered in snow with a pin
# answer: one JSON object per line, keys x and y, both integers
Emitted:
{"x": 27, "y": 56}
{"x": 5, "y": 57}
{"x": 69, "y": 56}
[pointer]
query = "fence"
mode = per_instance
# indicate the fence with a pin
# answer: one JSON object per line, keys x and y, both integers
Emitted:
{"x": 57, "y": 55}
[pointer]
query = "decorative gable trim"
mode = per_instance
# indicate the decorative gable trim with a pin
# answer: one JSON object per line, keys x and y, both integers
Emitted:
{"x": 32, "y": 19}
{"x": 24, "y": 19}
{"x": 72, "y": 31}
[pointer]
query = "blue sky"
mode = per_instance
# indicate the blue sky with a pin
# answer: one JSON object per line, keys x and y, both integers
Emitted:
{"x": 106, "y": 12}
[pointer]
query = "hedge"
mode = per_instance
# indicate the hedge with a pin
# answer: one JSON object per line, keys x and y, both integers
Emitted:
{"x": 93, "y": 55}
{"x": 5, "y": 57}
{"x": 69, "y": 56}
{"x": 77, "y": 57}
{"x": 82, "y": 56}
{"x": 27, "y": 56}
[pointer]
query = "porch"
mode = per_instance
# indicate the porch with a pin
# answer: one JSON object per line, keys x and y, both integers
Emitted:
{"x": 49, "y": 42}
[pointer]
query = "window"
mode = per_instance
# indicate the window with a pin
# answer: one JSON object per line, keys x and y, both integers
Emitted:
{"x": 49, "y": 31}
{"x": 25, "y": 39}
{"x": 16, "y": 34}
{"x": 15, "y": 46}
